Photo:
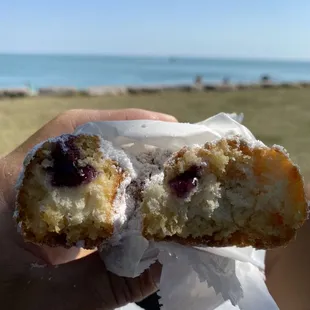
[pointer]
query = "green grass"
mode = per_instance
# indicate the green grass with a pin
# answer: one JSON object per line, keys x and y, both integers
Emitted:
{"x": 280, "y": 116}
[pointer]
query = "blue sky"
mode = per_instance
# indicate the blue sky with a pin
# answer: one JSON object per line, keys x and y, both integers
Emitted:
{"x": 218, "y": 28}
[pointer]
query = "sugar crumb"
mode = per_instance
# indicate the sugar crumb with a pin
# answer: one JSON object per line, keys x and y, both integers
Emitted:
{"x": 36, "y": 265}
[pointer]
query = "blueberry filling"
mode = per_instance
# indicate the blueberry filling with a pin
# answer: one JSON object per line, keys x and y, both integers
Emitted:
{"x": 186, "y": 182}
{"x": 66, "y": 171}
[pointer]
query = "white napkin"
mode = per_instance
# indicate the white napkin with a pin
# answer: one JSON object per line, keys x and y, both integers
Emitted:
{"x": 192, "y": 277}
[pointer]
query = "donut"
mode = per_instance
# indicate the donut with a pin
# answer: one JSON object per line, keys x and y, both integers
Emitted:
{"x": 226, "y": 193}
{"x": 70, "y": 191}
{"x": 80, "y": 190}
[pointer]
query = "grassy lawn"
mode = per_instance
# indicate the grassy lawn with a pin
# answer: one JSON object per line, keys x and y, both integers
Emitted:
{"x": 280, "y": 116}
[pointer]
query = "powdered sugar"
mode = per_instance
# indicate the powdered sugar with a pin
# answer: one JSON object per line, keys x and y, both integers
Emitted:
{"x": 122, "y": 208}
{"x": 116, "y": 154}
{"x": 148, "y": 168}
{"x": 36, "y": 265}
{"x": 30, "y": 155}
{"x": 145, "y": 167}
{"x": 280, "y": 149}
{"x": 149, "y": 164}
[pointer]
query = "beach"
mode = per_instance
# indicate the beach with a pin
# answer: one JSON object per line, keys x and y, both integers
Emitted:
{"x": 274, "y": 115}
{"x": 273, "y": 95}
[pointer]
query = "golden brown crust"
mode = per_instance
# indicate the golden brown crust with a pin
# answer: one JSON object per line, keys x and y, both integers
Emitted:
{"x": 238, "y": 239}
{"x": 53, "y": 239}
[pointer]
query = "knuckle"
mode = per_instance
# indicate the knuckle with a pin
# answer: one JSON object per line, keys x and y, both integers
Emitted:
{"x": 67, "y": 116}
{"x": 135, "y": 110}
{"x": 138, "y": 113}
{"x": 69, "y": 113}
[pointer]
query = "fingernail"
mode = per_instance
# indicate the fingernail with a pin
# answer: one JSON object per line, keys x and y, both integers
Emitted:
{"x": 172, "y": 118}
{"x": 166, "y": 117}
{"x": 155, "y": 271}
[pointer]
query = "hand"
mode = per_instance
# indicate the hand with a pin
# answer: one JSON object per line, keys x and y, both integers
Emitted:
{"x": 287, "y": 270}
{"x": 73, "y": 283}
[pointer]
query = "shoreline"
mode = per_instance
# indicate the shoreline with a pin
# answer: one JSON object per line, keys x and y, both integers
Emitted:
{"x": 161, "y": 56}
{"x": 144, "y": 89}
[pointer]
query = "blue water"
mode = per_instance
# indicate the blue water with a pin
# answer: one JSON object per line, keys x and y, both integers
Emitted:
{"x": 84, "y": 71}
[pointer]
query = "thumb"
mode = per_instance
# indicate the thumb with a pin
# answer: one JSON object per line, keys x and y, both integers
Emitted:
{"x": 87, "y": 282}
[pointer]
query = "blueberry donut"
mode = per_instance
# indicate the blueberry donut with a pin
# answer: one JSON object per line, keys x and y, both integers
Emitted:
{"x": 71, "y": 191}
{"x": 229, "y": 192}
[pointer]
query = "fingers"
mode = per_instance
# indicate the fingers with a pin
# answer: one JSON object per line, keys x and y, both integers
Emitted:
{"x": 80, "y": 117}
{"x": 308, "y": 191}
{"x": 74, "y": 118}
{"x": 127, "y": 290}
{"x": 90, "y": 279}
{"x": 67, "y": 122}
{"x": 55, "y": 255}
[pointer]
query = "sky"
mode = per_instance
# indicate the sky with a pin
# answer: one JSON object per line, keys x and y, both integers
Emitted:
{"x": 272, "y": 29}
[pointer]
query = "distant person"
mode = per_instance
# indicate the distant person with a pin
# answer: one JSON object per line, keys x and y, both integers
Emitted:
{"x": 30, "y": 87}
{"x": 198, "y": 81}
{"x": 265, "y": 79}
{"x": 226, "y": 81}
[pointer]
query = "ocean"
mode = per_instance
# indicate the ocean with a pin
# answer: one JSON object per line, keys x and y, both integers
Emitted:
{"x": 83, "y": 71}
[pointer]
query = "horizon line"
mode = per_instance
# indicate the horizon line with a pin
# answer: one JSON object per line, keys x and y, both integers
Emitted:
{"x": 157, "y": 56}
